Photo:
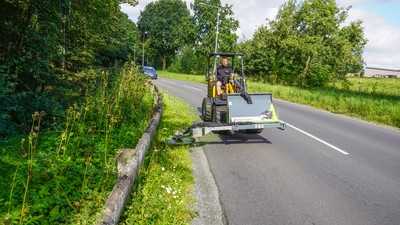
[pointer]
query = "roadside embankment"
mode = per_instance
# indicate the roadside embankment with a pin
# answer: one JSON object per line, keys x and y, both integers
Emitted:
{"x": 64, "y": 175}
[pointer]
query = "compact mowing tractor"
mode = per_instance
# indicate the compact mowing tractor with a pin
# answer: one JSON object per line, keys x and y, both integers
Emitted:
{"x": 228, "y": 106}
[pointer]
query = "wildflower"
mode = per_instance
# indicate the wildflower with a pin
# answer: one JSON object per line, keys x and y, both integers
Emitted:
{"x": 169, "y": 190}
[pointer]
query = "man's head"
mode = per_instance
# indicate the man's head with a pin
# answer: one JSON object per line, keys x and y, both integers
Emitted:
{"x": 224, "y": 61}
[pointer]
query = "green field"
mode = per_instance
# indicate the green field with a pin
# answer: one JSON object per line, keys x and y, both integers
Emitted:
{"x": 373, "y": 86}
{"x": 371, "y": 99}
{"x": 164, "y": 191}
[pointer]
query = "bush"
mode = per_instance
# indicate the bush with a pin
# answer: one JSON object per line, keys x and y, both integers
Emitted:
{"x": 187, "y": 61}
{"x": 43, "y": 42}
{"x": 64, "y": 176}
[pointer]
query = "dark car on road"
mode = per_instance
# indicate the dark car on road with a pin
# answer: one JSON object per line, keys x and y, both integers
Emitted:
{"x": 150, "y": 71}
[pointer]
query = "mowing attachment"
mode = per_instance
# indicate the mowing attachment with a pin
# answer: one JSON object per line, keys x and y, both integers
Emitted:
{"x": 192, "y": 134}
{"x": 182, "y": 138}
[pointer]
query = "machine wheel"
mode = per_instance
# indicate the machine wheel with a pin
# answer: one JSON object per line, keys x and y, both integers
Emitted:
{"x": 254, "y": 131}
{"x": 207, "y": 110}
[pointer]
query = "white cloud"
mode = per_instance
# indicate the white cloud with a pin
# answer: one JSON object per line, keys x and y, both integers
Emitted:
{"x": 134, "y": 12}
{"x": 250, "y": 15}
{"x": 349, "y": 2}
{"x": 253, "y": 14}
{"x": 383, "y": 48}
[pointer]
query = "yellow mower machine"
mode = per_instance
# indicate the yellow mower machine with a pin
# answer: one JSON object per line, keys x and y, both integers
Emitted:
{"x": 234, "y": 110}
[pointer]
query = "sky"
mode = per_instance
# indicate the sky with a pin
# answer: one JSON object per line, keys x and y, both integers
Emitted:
{"x": 381, "y": 22}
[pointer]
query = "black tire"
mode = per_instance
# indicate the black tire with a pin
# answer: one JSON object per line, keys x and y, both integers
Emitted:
{"x": 207, "y": 110}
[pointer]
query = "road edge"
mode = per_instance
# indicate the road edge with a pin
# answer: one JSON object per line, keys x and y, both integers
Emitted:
{"x": 208, "y": 206}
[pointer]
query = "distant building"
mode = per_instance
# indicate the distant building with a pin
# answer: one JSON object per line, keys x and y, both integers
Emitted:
{"x": 381, "y": 72}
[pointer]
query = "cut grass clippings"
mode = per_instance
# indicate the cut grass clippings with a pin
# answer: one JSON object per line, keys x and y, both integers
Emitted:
{"x": 371, "y": 99}
{"x": 163, "y": 193}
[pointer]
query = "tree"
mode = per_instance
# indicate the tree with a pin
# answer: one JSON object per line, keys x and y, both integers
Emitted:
{"x": 169, "y": 27}
{"x": 308, "y": 44}
{"x": 205, "y": 19}
{"x": 43, "y": 44}
{"x": 192, "y": 58}
{"x": 187, "y": 61}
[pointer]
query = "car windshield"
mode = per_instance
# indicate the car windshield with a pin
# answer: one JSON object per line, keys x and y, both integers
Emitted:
{"x": 149, "y": 70}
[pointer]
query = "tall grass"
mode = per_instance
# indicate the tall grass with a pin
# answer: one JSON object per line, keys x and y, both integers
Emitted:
{"x": 373, "y": 86}
{"x": 64, "y": 176}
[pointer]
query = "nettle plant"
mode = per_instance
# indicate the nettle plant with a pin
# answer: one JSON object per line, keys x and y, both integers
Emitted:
{"x": 64, "y": 176}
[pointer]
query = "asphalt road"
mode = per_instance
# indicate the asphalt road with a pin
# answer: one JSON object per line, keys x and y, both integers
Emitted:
{"x": 326, "y": 169}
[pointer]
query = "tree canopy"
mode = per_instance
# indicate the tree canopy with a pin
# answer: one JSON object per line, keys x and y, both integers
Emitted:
{"x": 192, "y": 57}
{"x": 43, "y": 44}
{"x": 205, "y": 20}
{"x": 168, "y": 26}
{"x": 308, "y": 44}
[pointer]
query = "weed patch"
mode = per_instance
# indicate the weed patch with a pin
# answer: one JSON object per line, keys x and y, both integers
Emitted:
{"x": 63, "y": 176}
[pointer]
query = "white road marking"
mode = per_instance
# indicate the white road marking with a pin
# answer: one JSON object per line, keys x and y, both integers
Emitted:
{"x": 317, "y": 139}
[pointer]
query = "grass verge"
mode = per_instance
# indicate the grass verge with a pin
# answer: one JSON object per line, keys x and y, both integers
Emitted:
{"x": 184, "y": 77}
{"x": 376, "y": 100}
{"x": 63, "y": 176}
{"x": 164, "y": 189}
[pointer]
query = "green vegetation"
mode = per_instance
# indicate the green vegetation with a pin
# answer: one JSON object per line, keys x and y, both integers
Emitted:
{"x": 164, "y": 189}
{"x": 64, "y": 175}
{"x": 205, "y": 20}
{"x": 43, "y": 47}
{"x": 309, "y": 44}
{"x": 373, "y": 86}
{"x": 182, "y": 76}
{"x": 179, "y": 41}
{"x": 372, "y": 99}
{"x": 168, "y": 25}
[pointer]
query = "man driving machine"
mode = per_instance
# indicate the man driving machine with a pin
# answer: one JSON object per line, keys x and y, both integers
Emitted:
{"x": 224, "y": 71}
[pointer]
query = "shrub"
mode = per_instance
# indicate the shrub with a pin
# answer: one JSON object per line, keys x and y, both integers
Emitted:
{"x": 64, "y": 176}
